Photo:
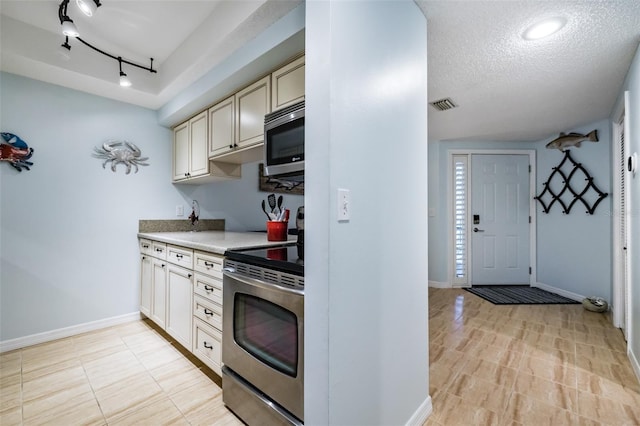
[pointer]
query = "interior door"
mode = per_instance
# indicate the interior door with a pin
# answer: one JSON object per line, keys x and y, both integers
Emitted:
{"x": 500, "y": 219}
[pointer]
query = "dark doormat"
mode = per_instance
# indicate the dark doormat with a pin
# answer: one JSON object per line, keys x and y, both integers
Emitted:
{"x": 518, "y": 295}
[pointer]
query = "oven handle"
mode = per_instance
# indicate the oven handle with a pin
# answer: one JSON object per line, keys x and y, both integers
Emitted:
{"x": 231, "y": 273}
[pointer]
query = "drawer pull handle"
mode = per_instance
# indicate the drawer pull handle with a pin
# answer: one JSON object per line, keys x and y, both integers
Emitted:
{"x": 178, "y": 256}
{"x": 208, "y": 288}
{"x": 208, "y": 264}
{"x": 207, "y": 346}
{"x": 208, "y": 312}
{"x": 159, "y": 250}
{"x": 145, "y": 246}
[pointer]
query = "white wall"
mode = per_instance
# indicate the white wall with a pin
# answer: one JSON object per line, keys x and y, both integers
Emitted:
{"x": 573, "y": 251}
{"x": 366, "y": 309}
{"x": 632, "y": 84}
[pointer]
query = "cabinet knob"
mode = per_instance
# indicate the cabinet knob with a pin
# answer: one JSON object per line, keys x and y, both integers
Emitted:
{"x": 163, "y": 265}
{"x": 207, "y": 346}
{"x": 230, "y": 146}
{"x": 189, "y": 275}
{"x": 144, "y": 257}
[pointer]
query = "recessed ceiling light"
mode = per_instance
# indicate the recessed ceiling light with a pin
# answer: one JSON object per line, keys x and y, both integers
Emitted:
{"x": 544, "y": 28}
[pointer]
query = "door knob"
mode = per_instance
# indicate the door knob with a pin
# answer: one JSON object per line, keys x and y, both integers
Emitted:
{"x": 478, "y": 230}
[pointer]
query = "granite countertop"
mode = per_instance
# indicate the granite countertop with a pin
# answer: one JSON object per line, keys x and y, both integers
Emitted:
{"x": 215, "y": 241}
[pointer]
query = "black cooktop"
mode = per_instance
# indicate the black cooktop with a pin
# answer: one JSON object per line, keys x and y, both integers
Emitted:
{"x": 280, "y": 258}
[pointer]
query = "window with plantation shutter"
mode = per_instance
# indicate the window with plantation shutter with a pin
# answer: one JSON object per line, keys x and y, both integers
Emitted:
{"x": 460, "y": 232}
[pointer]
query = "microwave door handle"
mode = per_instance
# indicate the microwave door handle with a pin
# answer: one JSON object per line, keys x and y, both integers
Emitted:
{"x": 231, "y": 273}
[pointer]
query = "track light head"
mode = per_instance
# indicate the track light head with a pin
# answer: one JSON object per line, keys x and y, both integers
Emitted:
{"x": 88, "y": 7}
{"x": 64, "y": 50}
{"x": 124, "y": 80}
{"x": 69, "y": 28}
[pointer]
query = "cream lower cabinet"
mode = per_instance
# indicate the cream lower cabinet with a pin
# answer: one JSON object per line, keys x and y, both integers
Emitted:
{"x": 181, "y": 291}
{"x": 179, "y": 301}
{"x": 207, "y": 309}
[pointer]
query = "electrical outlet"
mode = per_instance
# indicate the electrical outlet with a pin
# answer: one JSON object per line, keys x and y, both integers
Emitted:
{"x": 344, "y": 205}
{"x": 179, "y": 210}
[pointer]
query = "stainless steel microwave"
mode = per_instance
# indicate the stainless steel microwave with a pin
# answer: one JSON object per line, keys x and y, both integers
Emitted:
{"x": 284, "y": 140}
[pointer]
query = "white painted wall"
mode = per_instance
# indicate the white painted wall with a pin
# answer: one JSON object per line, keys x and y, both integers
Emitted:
{"x": 573, "y": 251}
{"x": 366, "y": 309}
{"x": 632, "y": 84}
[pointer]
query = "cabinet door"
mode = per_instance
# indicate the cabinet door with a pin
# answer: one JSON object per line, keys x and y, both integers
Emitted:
{"x": 159, "y": 292}
{"x": 179, "y": 304}
{"x": 198, "y": 155}
{"x": 288, "y": 84}
{"x": 181, "y": 151}
{"x": 146, "y": 271}
{"x": 222, "y": 127}
{"x": 252, "y": 103}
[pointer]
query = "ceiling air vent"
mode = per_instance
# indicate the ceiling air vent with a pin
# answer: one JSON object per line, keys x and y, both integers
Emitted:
{"x": 443, "y": 104}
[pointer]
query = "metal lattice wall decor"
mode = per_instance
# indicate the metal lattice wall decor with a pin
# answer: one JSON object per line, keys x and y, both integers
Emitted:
{"x": 569, "y": 193}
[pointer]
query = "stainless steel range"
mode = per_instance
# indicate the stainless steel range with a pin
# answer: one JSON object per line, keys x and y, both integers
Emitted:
{"x": 263, "y": 339}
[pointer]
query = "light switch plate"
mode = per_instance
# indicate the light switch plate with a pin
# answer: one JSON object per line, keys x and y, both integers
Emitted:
{"x": 179, "y": 210}
{"x": 344, "y": 205}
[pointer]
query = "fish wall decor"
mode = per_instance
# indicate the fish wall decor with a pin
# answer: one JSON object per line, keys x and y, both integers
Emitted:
{"x": 15, "y": 151}
{"x": 117, "y": 152}
{"x": 566, "y": 140}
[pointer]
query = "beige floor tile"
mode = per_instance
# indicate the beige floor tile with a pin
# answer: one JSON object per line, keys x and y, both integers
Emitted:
{"x": 10, "y": 364}
{"x": 194, "y": 402}
{"x": 600, "y": 386}
{"x": 531, "y": 411}
{"x": 84, "y": 414}
{"x": 556, "y": 372}
{"x": 491, "y": 372}
{"x": 45, "y": 370}
{"x": 11, "y": 417}
{"x": 212, "y": 413}
{"x": 93, "y": 346}
{"x": 601, "y": 354}
{"x": 609, "y": 411}
{"x": 126, "y": 396}
{"x": 11, "y": 396}
{"x": 113, "y": 368}
{"x": 65, "y": 399}
{"x": 455, "y": 411}
{"x": 47, "y": 354}
{"x": 549, "y": 392}
{"x": 158, "y": 356}
{"x": 55, "y": 382}
{"x": 178, "y": 375}
{"x": 480, "y": 393}
{"x": 160, "y": 413}
{"x": 143, "y": 342}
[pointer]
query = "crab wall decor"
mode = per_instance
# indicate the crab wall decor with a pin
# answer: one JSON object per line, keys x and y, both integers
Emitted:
{"x": 15, "y": 151}
{"x": 124, "y": 152}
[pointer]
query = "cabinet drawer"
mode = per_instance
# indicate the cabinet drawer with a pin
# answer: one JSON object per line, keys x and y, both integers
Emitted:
{"x": 208, "y": 287}
{"x": 207, "y": 311}
{"x": 180, "y": 256}
{"x": 208, "y": 263}
{"x": 146, "y": 247}
{"x": 207, "y": 345}
{"x": 159, "y": 250}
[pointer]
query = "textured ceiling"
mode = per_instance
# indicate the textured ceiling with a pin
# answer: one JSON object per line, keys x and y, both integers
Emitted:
{"x": 506, "y": 88}
{"x": 511, "y": 89}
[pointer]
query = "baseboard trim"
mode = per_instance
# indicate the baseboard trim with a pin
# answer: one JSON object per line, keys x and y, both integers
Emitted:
{"x": 565, "y": 293}
{"x": 438, "y": 284}
{"x": 634, "y": 361}
{"x": 61, "y": 333}
{"x": 422, "y": 413}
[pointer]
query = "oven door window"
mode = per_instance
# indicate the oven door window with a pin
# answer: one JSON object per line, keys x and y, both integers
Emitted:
{"x": 267, "y": 331}
{"x": 285, "y": 143}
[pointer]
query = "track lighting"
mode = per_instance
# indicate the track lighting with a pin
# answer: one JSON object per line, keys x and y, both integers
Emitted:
{"x": 124, "y": 80}
{"x": 88, "y": 7}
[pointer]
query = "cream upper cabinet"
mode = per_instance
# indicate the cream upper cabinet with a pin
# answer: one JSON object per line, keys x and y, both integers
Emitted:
{"x": 287, "y": 84}
{"x": 252, "y": 103}
{"x": 222, "y": 126}
{"x": 181, "y": 151}
{"x": 190, "y": 156}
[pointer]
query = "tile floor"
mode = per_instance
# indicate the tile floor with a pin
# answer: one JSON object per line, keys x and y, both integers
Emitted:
{"x": 490, "y": 365}
{"x": 526, "y": 365}
{"x": 131, "y": 374}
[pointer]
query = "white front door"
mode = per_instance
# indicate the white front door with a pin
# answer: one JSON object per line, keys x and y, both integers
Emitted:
{"x": 500, "y": 219}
